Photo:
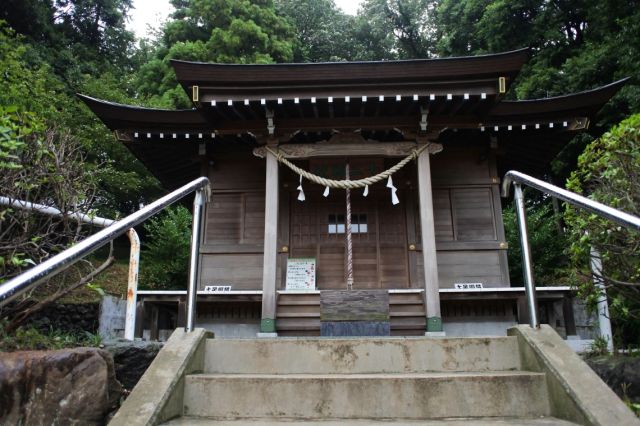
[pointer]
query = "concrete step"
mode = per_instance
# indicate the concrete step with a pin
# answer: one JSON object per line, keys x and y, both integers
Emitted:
{"x": 367, "y": 396}
{"x": 355, "y": 355}
{"x": 513, "y": 421}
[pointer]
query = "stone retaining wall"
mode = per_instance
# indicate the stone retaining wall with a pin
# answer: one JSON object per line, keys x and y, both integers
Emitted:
{"x": 69, "y": 318}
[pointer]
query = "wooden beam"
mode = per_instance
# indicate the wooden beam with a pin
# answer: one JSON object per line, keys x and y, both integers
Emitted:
{"x": 392, "y": 149}
{"x": 311, "y": 124}
{"x": 269, "y": 266}
{"x": 431, "y": 285}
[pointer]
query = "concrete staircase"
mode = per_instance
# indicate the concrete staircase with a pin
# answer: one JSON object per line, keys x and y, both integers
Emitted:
{"x": 530, "y": 378}
{"x": 411, "y": 380}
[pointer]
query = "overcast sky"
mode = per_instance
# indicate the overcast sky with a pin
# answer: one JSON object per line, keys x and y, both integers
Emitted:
{"x": 154, "y": 12}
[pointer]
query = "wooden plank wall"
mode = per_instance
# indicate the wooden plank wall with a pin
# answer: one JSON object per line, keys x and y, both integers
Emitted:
{"x": 468, "y": 218}
{"x": 232, "y": 246}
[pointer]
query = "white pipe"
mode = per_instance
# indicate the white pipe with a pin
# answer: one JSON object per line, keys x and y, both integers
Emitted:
{"x": 52, "y": 211}
{"x": 604, "y": 320}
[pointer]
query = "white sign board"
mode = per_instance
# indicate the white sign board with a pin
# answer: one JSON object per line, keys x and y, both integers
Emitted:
{"x": 301, "y": 274}
{"x": 217, "y": 288}
{"x": 468, "y": 286}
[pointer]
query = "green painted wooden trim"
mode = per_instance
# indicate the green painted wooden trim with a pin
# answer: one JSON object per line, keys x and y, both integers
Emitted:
{"x": 267, "y": 325}
{"x": 434, "y": 324}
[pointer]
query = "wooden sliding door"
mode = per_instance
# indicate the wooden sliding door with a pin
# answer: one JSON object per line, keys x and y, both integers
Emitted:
{"x": 317, "y": 229}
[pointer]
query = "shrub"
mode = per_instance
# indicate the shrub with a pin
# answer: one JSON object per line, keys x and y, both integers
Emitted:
{"x": 609, "y": 172}
{"x": 165, "y": 252}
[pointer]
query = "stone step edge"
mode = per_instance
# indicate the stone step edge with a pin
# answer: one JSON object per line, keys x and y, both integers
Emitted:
{"x": 364, "y": 376}
{"x": 450, "y": 421}
{"x": 394, "y": 339}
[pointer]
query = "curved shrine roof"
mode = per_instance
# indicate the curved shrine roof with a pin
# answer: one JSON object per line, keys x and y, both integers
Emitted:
{"x": 386, "y": 101}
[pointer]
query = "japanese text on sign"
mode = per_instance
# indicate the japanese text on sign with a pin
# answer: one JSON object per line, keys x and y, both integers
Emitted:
{"x": 301, "y": 274}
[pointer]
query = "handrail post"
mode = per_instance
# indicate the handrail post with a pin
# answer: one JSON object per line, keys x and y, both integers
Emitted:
{"x": 192, "y": 290}
{"x": 530, "y": 288}
{"x": 132, "y": 285}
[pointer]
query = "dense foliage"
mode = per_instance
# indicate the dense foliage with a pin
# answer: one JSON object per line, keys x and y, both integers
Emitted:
{"x": 546, "y": 240}
{"x": 165, "y": 257}
{"x": 609, "y": 172}
{"x": 38, "y": 164}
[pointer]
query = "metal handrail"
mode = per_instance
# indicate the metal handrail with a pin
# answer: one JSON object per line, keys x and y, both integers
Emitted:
{"x": 518, "y": 179}
{"x": 40, "y": 273}
{"x": 600, "y": 209}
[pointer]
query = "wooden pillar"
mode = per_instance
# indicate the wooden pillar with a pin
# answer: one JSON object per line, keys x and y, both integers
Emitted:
{"x": 431, "y": 286}
{"x": 154, "y": 332}
{"x": 182, "y": 312}
{"x": 140, "y": 312}
{"x": 269, "y": 266}
{"x": 523, "y": 310}
{"x": 567, "y": 313}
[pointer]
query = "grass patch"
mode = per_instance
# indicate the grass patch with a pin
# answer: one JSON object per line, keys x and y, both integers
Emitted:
{"x": 28, "y": 338}
{"x": 113, "y": 281}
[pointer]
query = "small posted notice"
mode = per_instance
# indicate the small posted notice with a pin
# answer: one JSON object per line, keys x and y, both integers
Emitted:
{"x": 301, "y": 274}
{"x": 217, "y": 288}
{"x": 468, "y": 286}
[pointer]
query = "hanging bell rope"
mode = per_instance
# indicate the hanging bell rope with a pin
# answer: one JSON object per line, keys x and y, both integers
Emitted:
{"x": 351, "y": 184}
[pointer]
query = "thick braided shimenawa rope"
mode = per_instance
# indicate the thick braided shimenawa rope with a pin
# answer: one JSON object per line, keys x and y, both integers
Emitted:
{"x": 351, "y": 184}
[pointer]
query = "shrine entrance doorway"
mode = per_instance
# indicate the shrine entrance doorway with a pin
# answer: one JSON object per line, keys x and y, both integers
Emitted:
{"x": 379, "y": 234}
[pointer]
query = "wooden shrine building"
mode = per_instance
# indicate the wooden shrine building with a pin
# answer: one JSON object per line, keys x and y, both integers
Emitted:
{"x": 438, "y": 249}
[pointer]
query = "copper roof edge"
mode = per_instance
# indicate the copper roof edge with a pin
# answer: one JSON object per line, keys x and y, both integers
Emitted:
{"x": 498, "y": 55}
{"x": 91, "y": 101}
{"x": 586, "y": 98}
{"x": 614, "y": 86}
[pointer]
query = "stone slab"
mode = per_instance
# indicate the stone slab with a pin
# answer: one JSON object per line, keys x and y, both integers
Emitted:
{"x": 354, "y": 328}
{"x": 354, "y": 305}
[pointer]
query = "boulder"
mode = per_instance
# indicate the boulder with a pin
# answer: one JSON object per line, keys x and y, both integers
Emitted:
{"x": 64, "y": 387}
{"x": 132, "y": 359}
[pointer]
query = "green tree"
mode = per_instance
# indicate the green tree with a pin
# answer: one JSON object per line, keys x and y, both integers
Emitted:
{"x": 322, "y": 30}
{"x": 609, "y": 172}
{"x": 576, "y": 44}
{"x": 404, "y": 28}
{"x": 74, "y": 36}
{"x": 43, "y": 69}
{"x": 457, "y": 27}
{"x": 225, "y": 31}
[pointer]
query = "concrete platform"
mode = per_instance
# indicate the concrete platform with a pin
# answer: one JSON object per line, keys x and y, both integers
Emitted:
{"x": 363, "y": 396}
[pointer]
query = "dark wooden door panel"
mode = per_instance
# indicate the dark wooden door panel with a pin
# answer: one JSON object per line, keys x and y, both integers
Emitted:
{"x": 379, "y": 238}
